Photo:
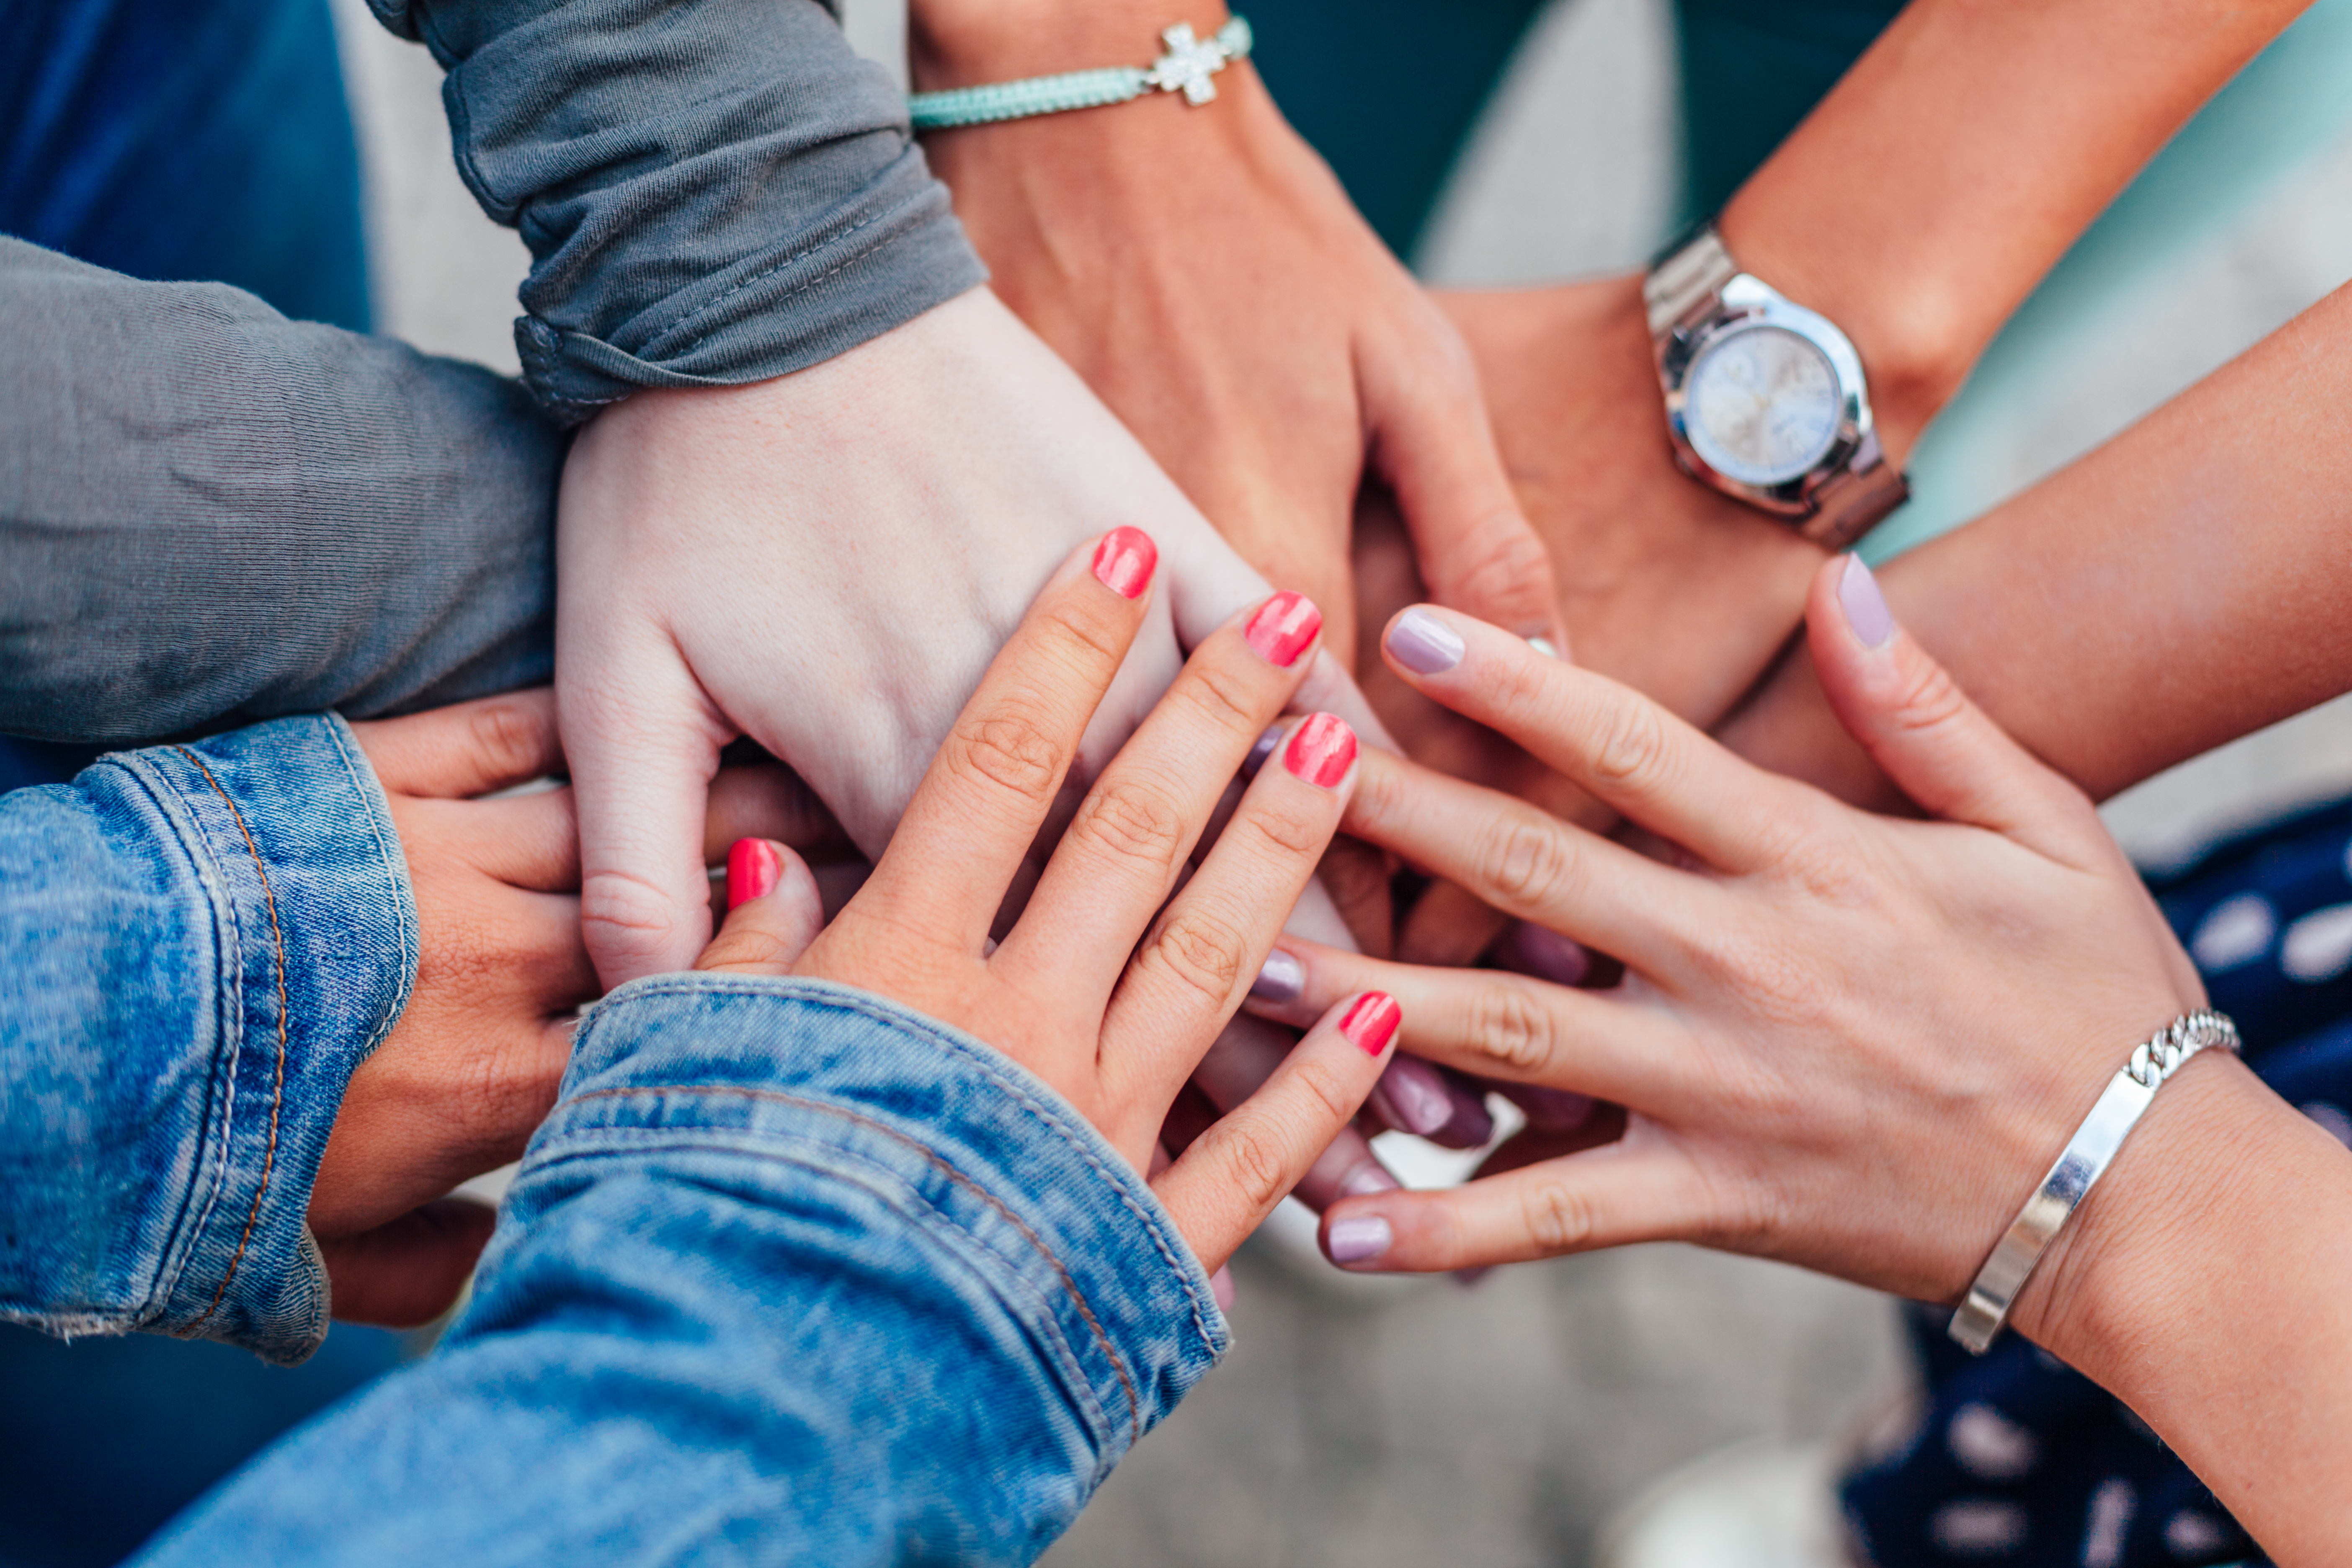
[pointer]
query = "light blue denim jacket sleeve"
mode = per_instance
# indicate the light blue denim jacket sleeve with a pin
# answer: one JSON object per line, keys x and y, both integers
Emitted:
{"x": 197, "y": 945}
{"x": 790, "y": 1275}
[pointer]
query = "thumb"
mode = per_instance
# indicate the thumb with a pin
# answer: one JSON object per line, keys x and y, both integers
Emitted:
{"x": 1920, "y": 728}
{"x": 774, "y": 911}
{"x": 1433, "y": 445}
{"x": 643, "y": 746}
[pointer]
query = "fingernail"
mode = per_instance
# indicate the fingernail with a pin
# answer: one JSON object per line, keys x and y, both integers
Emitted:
{"x": 1124, "y": 562}
{"x": 1865, "y": 605}
{"x": 1550, "y": 1109}
{"x": 1359, "y": 1238}
{"x": 1468, "y": 1124}
{"x": 1411, "y": 1097}
{"x": 1544, "y": 645}
{"x": 1261, "y": 749}
{"x": 1371, "y": 1023}
{"x": 1281, "y": 978}
{"x": 1321, "y": 750}
{"x": 1221, "y": 1285}
{"x": 1423, "y": 643}
{"x": 1368, "y": 1178}
{"x": 1527, "y": 949}
{"x": 1283, "y": 627}
{"x": 753, "y": 869}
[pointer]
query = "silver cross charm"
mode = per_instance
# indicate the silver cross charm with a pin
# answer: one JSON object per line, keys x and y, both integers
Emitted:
{"x": 1190, "y": 66}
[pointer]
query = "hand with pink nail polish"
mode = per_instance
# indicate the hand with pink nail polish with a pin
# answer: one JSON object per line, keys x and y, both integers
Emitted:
{"x": 825, "y": 563}
{"x": 1113, "y": 983}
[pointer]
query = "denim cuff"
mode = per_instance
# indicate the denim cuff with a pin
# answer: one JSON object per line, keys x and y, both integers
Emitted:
{"x": 944, "y": 1129}
{"x": 307, "y": 926}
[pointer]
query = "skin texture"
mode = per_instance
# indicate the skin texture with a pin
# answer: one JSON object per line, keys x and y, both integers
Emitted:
{"x": 2180, "y": 587}
{"x": 1855, "y": 1043}
{"x": 1204, "y": 272}
{"x": 825, "y": 563}
{"x": 1106, "y": 988}
{"x": 471, "y": 1067}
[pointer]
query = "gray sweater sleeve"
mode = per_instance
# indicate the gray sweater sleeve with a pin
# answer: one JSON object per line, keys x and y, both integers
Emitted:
{"x": 714, "y": 192}
{"x": 209, "y": 513}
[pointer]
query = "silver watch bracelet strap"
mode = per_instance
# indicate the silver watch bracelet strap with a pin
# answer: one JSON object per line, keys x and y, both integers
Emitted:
{"x": 2087, "y": 1156}
{"x": 1686, "y": 277}
{"x": 1852, "y": 503}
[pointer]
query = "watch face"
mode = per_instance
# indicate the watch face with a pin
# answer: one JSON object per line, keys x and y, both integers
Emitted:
{"x": 1761, "y": 404}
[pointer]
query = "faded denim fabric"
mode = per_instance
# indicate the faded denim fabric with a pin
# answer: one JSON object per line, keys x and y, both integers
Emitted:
{"x": 210, "y": 513}
{"x": 197, "y": 945}
{"x": 714, "y": 192}
{"x": 790, "y": 1275}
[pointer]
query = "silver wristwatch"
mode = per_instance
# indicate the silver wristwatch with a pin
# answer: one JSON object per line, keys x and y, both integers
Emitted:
{"x": 1765, "y": 399}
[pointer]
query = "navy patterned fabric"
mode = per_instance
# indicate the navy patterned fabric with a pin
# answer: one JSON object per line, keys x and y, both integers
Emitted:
{"x": 2017, "y": 1459}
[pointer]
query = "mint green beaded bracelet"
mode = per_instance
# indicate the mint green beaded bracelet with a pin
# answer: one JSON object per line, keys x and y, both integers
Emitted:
{"x": 1190, "y": 66}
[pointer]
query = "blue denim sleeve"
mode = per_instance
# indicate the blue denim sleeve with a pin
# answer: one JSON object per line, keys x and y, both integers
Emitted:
{"x": 790, "y": 1275}
{"x": 714, "y": 192}
{"x": 197, "y": 945}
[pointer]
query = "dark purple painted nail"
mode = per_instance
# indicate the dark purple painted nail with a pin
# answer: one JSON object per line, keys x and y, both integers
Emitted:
{"x": 1411, "y": 1097}
{"x": 1525, "y": 947}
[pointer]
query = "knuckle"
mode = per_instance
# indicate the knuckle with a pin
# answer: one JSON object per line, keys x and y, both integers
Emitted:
{"x": 1203, "y": 950}
{"x": 1513, "y": 1029}
{"x": 507, "y": 738}
{"x": 1134, "y": 821}
{"x": 1506, "y": 564}
{"x": 1253, "y": 1162}
{"x": 1528, "y": 862}
{"x": 1632, "y": 751}
{"x": 1012, "y": 750}
{"x": 1295, "y": 834}
{"x": 1556, "y": 1217}
{"x": 1929, "y": 698}
{"x": 1082, "y": 645}
{"x": 1224, "y": 697}
{"x": 746, "y": 950}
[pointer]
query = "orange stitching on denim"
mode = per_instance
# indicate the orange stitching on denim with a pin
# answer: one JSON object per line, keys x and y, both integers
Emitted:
{"x": 1102, "y": 1338}
{"x": 277, "y": 1093}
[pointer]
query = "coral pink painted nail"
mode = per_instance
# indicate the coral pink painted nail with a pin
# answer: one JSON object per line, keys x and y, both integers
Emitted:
{"x": 1321, "y": 750}
{"x": 1125, "y": 560}
{"x": 1372, "y": 1022}
{"x": 753, "y": 869}
{"x": 1283, "y": 627}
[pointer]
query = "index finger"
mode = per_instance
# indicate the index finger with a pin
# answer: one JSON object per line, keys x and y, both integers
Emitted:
{"x": 1638, "y": 759}
{"x": 987, "y": 792}
{"x": 466, "y": 749}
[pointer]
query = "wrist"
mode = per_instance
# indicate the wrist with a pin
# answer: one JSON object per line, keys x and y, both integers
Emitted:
{"x": 1912, "y": 350}
{"x": 970, "y": 43}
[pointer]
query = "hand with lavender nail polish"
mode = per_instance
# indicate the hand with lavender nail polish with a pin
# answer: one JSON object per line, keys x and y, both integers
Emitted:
{"x": 1128, "y": 960}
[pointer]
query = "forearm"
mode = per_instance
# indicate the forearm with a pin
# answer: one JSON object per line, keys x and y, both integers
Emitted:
{"x": 790, "y": 1261}
{"x": 210, "y": 513}
{"x": 1921, "y": 200}
{"x": 2205, "y": 1281}
{"x": 2182, "y": 585}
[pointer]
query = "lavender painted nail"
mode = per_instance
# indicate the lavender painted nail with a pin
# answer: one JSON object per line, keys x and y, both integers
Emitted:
{"x": 1280, "y": 979}
{"x": 1411, "y": 1097}
{"x": 1423, "y": 643}
{"x": 1865, "y": 605}
{"x": 1359, "y": 1238}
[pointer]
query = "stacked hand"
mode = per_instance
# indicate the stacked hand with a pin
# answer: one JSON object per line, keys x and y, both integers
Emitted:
{"x": 1205, "y": 272}
{"x": 470, "y": 1070}
{"x": 1106, "y": 988}
{"x": 1797, "y": 1086}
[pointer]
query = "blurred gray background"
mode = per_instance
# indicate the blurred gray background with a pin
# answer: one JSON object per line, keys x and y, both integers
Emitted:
{"x": 1370, "y": 1423}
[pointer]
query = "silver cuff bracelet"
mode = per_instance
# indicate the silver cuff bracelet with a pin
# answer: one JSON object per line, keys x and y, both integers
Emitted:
{"x": 2088, "y": 1153}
